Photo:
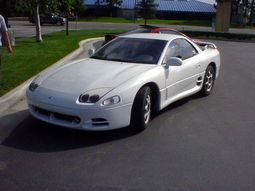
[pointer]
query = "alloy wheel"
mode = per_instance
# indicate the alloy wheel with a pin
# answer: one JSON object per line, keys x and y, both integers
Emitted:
{"x": 209, "y": 79}
{"x": 147, "y": 109}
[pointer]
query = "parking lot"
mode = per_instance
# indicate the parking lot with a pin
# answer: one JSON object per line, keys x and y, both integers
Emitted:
{"x": 194, "y": 144}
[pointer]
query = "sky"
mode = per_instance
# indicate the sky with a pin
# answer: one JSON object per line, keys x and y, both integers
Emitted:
{"x": 208, "y": 1}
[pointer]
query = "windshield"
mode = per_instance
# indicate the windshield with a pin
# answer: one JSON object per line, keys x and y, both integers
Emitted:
{"x": 135, "y": 50}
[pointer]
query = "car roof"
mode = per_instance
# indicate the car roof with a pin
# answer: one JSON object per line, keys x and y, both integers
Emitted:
{"x": 158, "y": 36}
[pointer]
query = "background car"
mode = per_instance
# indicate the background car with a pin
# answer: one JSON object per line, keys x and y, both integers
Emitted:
{"x": 155, "y": 29}
{"x": 124, "y": 82}
{"x": 49, "y": 18}
{"x": 145, "y": 29}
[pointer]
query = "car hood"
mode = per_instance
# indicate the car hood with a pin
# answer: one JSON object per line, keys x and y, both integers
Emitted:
{"x": 84, "y": 75}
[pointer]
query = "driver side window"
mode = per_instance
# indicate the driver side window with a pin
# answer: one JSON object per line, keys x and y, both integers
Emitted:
{"x": 173, "y": 50}
{"x": 180, "y": 48}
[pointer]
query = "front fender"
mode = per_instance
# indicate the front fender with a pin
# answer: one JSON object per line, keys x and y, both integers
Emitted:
{"x": 129, "y": 89}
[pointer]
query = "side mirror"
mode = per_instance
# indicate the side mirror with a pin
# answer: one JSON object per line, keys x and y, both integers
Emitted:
{"x": 91, "y": 52}
{"x": 173, "y": 61}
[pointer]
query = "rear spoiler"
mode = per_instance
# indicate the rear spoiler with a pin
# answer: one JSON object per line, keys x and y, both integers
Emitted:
{"x": 206, "y": 45}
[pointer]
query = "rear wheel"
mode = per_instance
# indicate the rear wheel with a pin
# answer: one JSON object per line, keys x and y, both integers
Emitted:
{"x": 141, "y": 110}
{"x": 208, "y": 81}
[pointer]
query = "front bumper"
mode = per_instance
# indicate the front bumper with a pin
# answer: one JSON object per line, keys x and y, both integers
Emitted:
{"x": 82, "y": 117}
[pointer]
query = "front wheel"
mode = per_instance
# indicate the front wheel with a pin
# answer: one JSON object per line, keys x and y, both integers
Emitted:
{"x": 141, "y": 110}
{"x": 59, "y": 23}
{"x": 208, "y": 81}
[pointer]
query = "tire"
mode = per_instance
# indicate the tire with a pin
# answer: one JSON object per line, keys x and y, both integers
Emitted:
{"x": 141, "y": 110}
{"x": 208, "y": 82}
{"x": 59, "y": 23}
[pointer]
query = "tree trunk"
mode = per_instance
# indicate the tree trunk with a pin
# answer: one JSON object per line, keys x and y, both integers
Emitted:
{"x": 67, "y": 25}
{"x": 223, "y": 16}
{"x": 37, "y": 23}
{"x": 145, "y": 21}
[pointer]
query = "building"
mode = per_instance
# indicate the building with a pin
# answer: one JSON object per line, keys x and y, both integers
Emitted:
{"x": 171, "y": 9}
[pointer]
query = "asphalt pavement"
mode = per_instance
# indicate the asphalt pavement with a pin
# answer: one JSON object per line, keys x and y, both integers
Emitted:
{"x": 196, "y": 144}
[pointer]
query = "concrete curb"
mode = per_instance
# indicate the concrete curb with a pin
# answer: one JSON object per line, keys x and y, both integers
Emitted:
{"x": 17, "y": 94}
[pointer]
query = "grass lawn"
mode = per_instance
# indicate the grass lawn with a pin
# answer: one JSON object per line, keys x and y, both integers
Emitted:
{"x": 29, "y": 57}
{"x": 150, "y": 22}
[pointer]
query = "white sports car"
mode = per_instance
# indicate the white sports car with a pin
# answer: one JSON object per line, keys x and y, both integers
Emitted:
{"x": 123, "y": 82}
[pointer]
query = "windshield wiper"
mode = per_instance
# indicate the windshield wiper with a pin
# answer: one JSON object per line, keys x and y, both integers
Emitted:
{"x": 117, "y": 60}
{"x": 97, "y": 57}
{"x": 101, "y": 58}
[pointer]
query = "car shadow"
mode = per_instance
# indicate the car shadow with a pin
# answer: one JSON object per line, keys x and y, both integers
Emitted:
{"x": 37, "y": 136}
{"x": 177, "y": 104}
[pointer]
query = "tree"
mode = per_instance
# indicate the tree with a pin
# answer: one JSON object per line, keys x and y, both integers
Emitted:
{"x": 69, "y": 6}
{"x": 146, "y": 9}
{"x": 111, "y": 4}
{"x": 37, "y": 21}
{"x": 245, "y": 9}
{"x": 252, "y": 12}
{"x": 66, "y": 8}
{"x": 34, "y": 7}
{"x": 78, "y": 6}
{"x": 4, "y": 9}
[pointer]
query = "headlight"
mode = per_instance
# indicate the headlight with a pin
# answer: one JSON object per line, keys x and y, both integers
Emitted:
{"x": 35, "y": 83}
{"x": 111, "y": 101}
{"x": 93, "y": 96}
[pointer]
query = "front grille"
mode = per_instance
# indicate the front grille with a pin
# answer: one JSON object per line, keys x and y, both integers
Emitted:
{"x": 54, "y": 116}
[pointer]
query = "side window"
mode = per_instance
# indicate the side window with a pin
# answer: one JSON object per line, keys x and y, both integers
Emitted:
{"x": 180, "y": 48}
{"x": 186, "y": 49}
{"x": 173, "y": 50}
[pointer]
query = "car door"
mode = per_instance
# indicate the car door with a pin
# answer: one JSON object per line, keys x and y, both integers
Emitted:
{"x": 49, "y": 18}
{"x": 180, "y": 80}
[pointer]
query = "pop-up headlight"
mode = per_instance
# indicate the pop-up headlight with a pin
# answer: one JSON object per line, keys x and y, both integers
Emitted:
{"x": 93, "y": 96}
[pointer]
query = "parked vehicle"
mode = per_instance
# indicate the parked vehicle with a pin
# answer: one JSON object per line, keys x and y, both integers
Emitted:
{"x": 144, "y": 29}
{"x": 124, "y": 82}
{"x": 155, "y": 29}
{"x": 50, "y": 18}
